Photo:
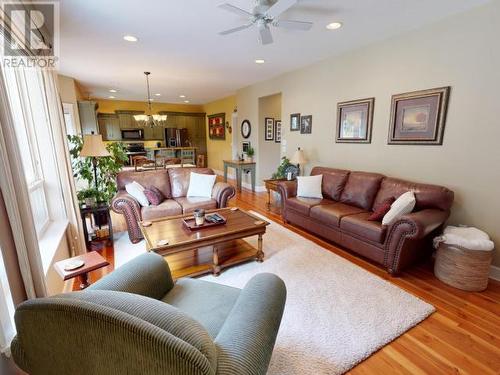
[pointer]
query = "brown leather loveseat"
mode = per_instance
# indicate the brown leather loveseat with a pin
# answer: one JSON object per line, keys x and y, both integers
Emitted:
{"x": 349, "y": 198}
{"x": 173, "y": 183}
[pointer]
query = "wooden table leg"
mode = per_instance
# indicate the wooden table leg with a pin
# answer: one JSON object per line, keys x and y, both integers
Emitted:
{"x": 260, "y": 253}
{"x": 216, "y": 267}
{"x": 84, "y": 280}
{"x": 268, "y": 199}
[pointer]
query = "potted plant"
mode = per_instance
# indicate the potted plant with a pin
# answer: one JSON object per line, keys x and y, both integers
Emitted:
{"x": 281, "y": 171}
{"x": 250, "y": 154}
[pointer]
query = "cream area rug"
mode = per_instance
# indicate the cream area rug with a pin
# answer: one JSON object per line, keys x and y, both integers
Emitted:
{"x": 336, "y": 313}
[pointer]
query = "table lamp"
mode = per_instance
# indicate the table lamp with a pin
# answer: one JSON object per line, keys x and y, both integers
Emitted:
{"x": 94, "y": 147}
{"x": 299, "y": 158}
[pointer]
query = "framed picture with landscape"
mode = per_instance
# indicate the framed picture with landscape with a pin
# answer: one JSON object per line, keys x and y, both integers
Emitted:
{"x": 419, "y": 117}
{"x": 354, "y": 121}
{"x": 269, "y": 129}
{"x": 217, "y": 126}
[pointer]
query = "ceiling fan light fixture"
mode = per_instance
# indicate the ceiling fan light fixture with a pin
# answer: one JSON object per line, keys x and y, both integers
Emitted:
{"x": 334, "y": 25}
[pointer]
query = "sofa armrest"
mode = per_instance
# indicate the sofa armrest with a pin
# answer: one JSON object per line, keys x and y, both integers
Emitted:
{"x": 246, "y": 340}
{"x": 147, "y": 275}
{"x": 125, "y": 204}
{"x": 222, "y": 192}
{"x": 287, "y": 189}
{"x": 408, "y": 230}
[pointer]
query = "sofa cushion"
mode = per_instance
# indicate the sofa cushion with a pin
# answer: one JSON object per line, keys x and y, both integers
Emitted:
{"x": 179, "y": 179}
{"x": 190, "y": 204}
{"x": 330, "y": 214}
{"x": 303, "y": 205}
{"x": 360, "y": 226}
{"x": 168, "y": 207}
{"x": 361, "y": 189}
{"x": 154, "y": 195}
{"x": 158, "y": 178}
{"x": 334, "y": 181}
{"x": 309, "y": 186}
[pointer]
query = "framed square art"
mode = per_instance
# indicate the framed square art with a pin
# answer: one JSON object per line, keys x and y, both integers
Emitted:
{"x": 419, "y": 117}
{"x": 277, "y": 131}
{"x": 355, "y": 121}
{"x": 295, "y": 122}
{"x": 306, "y": 124}
{"x": 269, "y": 129}
{"x": 217, "y": 126}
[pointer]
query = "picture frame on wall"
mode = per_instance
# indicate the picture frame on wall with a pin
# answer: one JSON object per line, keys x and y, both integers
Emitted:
{"x": 217, "y": 126}
{"x": 355, "y": 121}
{"x": 295, "y": 122}
{"x": 269, "y": 129}
{"x": 418, "y": 117}
{"x": 277, "y": 131}
{"x": 306, "y": 124}
{"x": 246, "y": 146}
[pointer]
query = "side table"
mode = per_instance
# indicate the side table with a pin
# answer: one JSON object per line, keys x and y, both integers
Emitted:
{"x": 272, "y": 184}
{"x": 240, "y": 167}
{"x": 93, "y": 261}
{"x": 96, "y": 213}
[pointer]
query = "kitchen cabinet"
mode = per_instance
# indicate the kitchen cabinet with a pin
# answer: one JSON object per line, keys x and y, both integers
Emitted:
{"x": 87, "y": 109}
{"x": 126, "y": 119}
{"x": 154, "y": 134}
{"x": 109, "y": 126}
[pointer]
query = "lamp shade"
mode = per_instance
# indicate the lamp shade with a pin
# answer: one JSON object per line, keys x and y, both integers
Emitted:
{"x": 93, "y": 146}
{"x": 299, "y": 157}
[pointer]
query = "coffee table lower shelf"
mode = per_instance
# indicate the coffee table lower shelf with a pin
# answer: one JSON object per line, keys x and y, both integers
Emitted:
{"x": 201, "y": 261}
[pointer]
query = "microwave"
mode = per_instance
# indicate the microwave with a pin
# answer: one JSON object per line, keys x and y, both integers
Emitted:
{"x": 132, "y": 134}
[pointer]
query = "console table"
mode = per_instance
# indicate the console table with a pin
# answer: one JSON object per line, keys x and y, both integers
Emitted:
{"x": 240, "y": 167}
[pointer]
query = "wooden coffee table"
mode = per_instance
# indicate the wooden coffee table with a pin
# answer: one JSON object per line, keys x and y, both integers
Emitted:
{"x": 193, "y": 253}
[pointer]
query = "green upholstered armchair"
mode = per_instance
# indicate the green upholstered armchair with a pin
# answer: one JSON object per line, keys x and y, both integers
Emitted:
{"x": 137, "y": 320}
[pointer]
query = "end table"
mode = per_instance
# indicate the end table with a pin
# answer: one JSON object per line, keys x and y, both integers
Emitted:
{"x": 92, "y": 261}
{"x": 96, "y": 213}
{"x": 272, "y": 184}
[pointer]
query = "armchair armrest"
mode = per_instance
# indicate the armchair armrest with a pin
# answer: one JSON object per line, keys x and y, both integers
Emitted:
{"x": 222, "y": 192}
{"x": 147, "y": 275}
{"x": 246, "y": 340}
{"x": 407, "y": 231}
{"x": 125, "y": 204}
{"x": 287, "y": 189}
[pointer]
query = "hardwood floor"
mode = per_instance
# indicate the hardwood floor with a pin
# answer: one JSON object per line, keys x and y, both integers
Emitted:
{"x": 461, "y": 337}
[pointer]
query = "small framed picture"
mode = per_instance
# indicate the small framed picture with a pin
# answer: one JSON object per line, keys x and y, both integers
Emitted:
{"x": 295, "y": 122}
{"x": 306, "y": 124}
{"x": 269, "y": 131}
{"x": 246, "y": 146}
{"x": 217, "y": 126}
{"x": 277, "y": 131}
{"x": 354, "y": 121}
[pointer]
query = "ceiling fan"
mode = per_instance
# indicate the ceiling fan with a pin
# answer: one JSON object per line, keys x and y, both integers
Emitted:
{"x": 264, "y": 15}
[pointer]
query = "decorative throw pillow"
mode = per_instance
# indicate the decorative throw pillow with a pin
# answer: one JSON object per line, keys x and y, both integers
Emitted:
{"x": 380, "y": 211}
{"x": 310, "y": 186}
{"x": 201, "y": 185}
{"x": 401, "y": 206}
{"x": 154, "y": 195}
{"x": 136, "y": 190}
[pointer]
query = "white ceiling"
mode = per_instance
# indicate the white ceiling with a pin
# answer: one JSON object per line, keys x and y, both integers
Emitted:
{"x": 180, "y": 45}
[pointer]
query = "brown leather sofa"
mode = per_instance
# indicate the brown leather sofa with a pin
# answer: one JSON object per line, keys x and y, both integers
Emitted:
{"x": 173, "y": 183}
{"x": 350, "y": 197}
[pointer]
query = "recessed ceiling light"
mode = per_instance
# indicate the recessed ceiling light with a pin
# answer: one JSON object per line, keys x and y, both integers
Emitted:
{"x": 157, "y": 94}
{"x": 186, "y": 101}
{"x": 260, "y": 61}
{"x": 112, "y": 90}
{"x": 182, "y": 96}
{"x": 152, "y": 99}
{"x": 334, "y": 25}
{"x": 111, "y": 97}
{"x": 130, "y": 38}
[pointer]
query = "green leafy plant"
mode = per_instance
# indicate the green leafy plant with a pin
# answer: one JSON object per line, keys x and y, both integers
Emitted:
{"x": 250, "y": 151}
{"x": 280, "y": 172}
{"x": 107, "y": 169}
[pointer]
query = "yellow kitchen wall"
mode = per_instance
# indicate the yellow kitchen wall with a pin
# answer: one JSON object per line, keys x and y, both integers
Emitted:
{"x": 218, "y": 150}
{"x": 110, "y": 106}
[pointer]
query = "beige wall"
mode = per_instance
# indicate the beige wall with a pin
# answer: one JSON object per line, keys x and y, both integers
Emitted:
{"x": 269, "y": 156}
{"x": 462, "y": 52}
{"x": 218, "y": 150}
{"x": 70, "y": 93}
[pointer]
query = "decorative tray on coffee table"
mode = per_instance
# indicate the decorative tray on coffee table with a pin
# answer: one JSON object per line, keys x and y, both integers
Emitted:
{"x": 190, "y": 222}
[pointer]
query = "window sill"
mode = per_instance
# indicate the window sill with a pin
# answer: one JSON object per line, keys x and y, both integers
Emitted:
{"x": 50, "y": 242}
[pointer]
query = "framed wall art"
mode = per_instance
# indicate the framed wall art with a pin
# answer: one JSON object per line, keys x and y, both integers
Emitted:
{"x": 246, "y": 146}
{"x": 269, "y": 129}
{"x": 217, "y": 126}
{"x": 295, "y": 122}
{"x": 419, "y": 117}
{"x": 355, "y": 121}
{"x": 306, "y": 124}
{"x": 277, "y": 131}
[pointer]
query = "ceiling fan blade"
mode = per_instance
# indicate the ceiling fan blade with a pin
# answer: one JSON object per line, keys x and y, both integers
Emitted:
{"x": 265, "y": 35}
{"x": 280, "y": 7}
{"x": 293, "y": 25}
{"x": 235, "y": 10}
{"x": 233, "y": 30}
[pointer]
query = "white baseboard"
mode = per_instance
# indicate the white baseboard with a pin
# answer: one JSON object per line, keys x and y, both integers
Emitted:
{"x": 231, "y": 175}
{"x": 495, "y": 273}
